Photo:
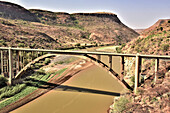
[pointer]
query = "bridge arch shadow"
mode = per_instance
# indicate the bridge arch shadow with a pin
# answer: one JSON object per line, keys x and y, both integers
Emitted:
{"x": 50, "y": 86}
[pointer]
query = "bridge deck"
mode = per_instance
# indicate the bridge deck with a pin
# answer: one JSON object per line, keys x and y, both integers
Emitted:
{"x": 87, "y": 52}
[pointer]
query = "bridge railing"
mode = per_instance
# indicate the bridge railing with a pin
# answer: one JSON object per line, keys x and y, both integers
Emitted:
{"x": 15, "y": 53}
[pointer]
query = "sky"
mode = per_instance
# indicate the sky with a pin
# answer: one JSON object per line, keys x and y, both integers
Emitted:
{"x": 136, "y": 14}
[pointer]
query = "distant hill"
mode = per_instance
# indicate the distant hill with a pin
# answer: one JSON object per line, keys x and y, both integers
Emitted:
{"x": 102, "y": 26}
{"x": 59, "y": 28}
{"x": 153, "y": 40}
{"x": 13, "y": 11}
{"x": 139, "y": 30}
{"x": 158, "y": 27}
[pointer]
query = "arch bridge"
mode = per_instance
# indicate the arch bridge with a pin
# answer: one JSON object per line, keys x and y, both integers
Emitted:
{"x": 13, "y": 61}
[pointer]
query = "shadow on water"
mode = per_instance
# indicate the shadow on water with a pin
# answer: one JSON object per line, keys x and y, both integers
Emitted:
{"x": 86, "y": 90}
{"x": 50, "y": 86}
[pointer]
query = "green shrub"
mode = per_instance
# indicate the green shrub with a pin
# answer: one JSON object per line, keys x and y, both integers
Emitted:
{"x": 132, "y": 46}
{"x": 152, "y": 39}
{"x": 21, "y": 45}
{"x": 138, "y": 40}
{"x": 123, "y": 45}
{"x": 164, "y": 32}
{"x": 78, "y": 44}
{"x": 9, "y": 91}
{"x": 3, "y": 81}
{"x": 120, "y": 105}
{"x": 38, "y": 65}
{"x": 165, "y": 47}
{"x": 47, "y": 61}
{"x": 138, "y": 50}
{"x": 118, "y": 50}
{"x": 154, "y": 99}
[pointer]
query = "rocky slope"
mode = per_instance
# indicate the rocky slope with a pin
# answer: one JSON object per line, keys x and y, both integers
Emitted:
{"x": 158, "y": 27}
{"x": 154, "y": 40}
{"x": 45, "y": 29}
{"x": 151, "y": 96}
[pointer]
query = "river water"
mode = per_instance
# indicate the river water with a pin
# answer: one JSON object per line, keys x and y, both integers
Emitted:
{"x": 90, "y": 91}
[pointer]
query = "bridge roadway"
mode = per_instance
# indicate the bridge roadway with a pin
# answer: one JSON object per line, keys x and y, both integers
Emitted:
{"x": 88, "y": 54}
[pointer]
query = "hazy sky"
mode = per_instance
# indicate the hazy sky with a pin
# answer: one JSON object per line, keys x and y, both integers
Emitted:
{"x": 133, "y": 13}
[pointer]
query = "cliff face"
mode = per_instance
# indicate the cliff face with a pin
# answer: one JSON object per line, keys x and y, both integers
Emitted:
{"x": 105, "y": 26}
{"x": 100, "y": 15}
{"x": 14, "y": 11}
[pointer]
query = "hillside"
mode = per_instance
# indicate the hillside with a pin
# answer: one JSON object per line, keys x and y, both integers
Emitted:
{"x": 52, "y": 30}
{"x": 17, "y": 33}
{"x": 151, "y": 96}
{"x": 154, "y": 40}
{"x": 13, "y": 11}
{"x": 158, "y": 27}
{"x": 101, "y": 26}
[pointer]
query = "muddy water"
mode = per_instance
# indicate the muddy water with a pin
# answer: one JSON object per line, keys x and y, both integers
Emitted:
{"x": 90, "y": 91}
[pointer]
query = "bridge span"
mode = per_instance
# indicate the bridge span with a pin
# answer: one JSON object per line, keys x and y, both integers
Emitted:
{"x": 13, "y": 61}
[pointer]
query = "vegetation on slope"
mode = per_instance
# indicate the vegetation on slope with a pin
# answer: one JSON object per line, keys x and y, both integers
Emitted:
{"x": 151, "y": 96}
{"x": 53, "y": 30}
{"x": 155, "y": 42}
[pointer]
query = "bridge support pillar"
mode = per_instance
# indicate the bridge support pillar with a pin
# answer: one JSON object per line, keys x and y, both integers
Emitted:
{"x": 2, "y": 64}
{"x": 98, "y": 57}
{"x": 110, "y": 61}
{"x": 137, "y": 71}
{"x": 156, "y": 69}
{"x": 122, "y": 67}
{"x": 17, "y": 62}
{"x": 10, "y": 66}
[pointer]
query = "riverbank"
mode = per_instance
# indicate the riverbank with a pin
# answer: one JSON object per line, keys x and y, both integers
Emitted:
{"x": 55, "y": 80}
{"x": 80, "y": 94}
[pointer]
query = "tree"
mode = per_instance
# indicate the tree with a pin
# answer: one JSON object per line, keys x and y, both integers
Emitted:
{"x": 3, "y": 81}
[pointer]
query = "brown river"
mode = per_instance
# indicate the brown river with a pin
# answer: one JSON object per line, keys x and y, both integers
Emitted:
{"x": 90, "y": 91}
